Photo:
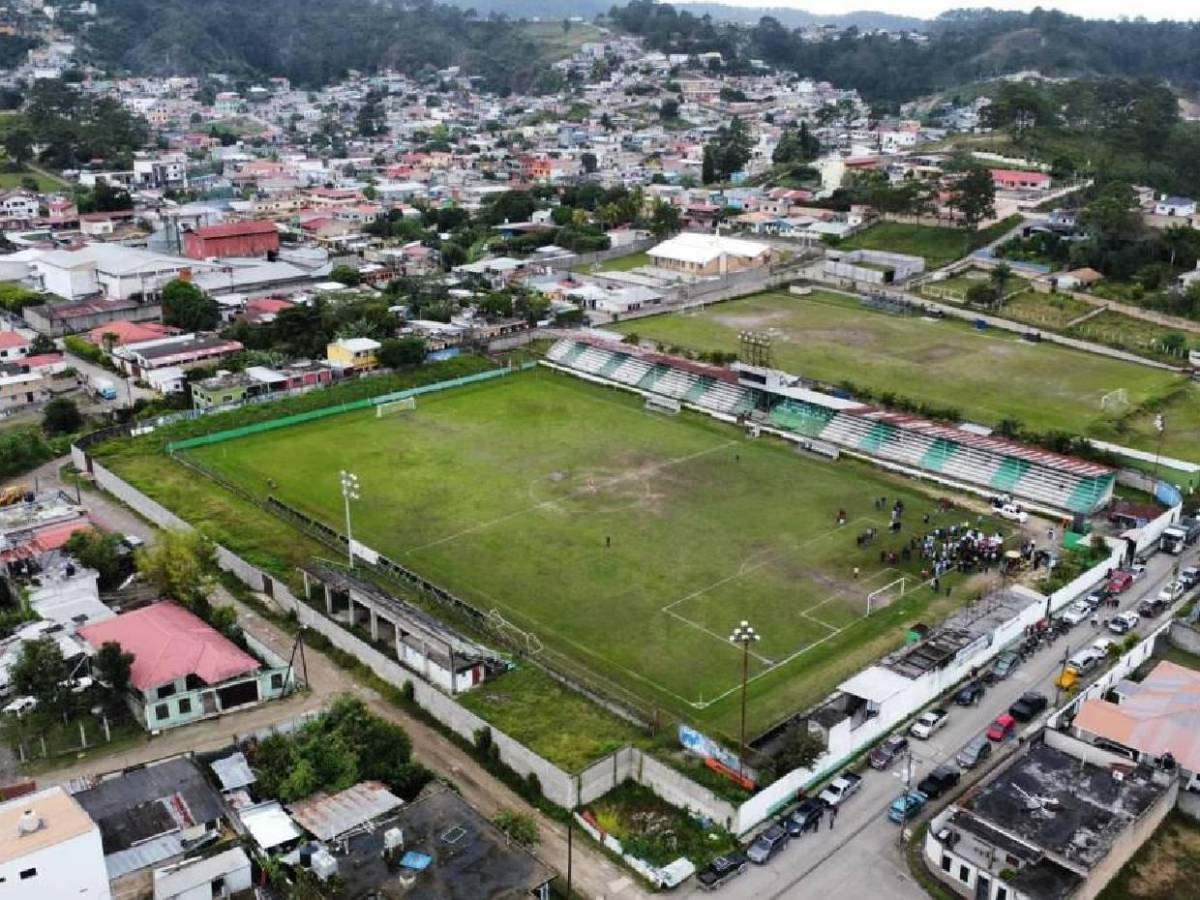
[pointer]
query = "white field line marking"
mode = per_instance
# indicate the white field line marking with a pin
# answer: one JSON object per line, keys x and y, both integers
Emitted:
{"x": 628, "y": 476}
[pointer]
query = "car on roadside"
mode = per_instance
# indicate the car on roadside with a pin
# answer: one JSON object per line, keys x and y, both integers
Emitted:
{"x": 805, "y": 817}
{"x": 1013, "y": 513}
{"x": 840, "y": 788}
{"x": 1152, "y": 606}
{"x": 940, "y": 780}
{"x": 970, "y": 693}
{"x": 976, "y": 751}
{"x": 887, "y": 752}
{"x": 20, "y": 706}
{"x": 722, "y": 870}
{"x": 1171, "y": 591}
{"x": 1075, "y": 612}
{"x": 1028, "y": 705}
{"x": 1096, "y": 599}
{"x": 1103, "y": 645}
{"x": 905, "y": 807}
{"x": 1189, "y": 577}
{"x": 767, "y": 844}
{"x": 928, "y": 723}
{"x": 1120, "y": 581}
{"x": 1124, "y": 623}
{"x": 1003, "y": 728}
{"x": 1137, "y": 570}
{"x": 1004, "y": 665}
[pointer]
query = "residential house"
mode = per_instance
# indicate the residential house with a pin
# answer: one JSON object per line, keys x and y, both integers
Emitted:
{"x": 239, "y": 239}
{"x": 358, "y": 354}
{"x": 184, "y": 669}
{"x": 185, "y": 351}
{"x": 1018, "y": 180}
{"x": 1175, "y": 207}
{"x": 19, "y": 388}
{"x": 221, "y": 875}
{"x": 13, "y": 345}
{"x": 18, "y": 209}
{"x": 50, "y": 848}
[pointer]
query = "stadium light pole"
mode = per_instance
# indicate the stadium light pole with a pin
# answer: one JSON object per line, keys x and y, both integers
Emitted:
{"x": 349, "y": 492}
{"x": 745, "y": 635}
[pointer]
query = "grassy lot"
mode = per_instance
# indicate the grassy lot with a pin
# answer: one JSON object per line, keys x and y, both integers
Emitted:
{"x": 987, "y": 375}
{"x": 960, "y": 284}
{"x": 624, "y": 263}
{"x": 529, "y": 705}
{"x": 629, "y": 544}
{"x": 1123, "y": 332}
{"x": 554, "y": 43}
{"x": 1052, "y": 312}
{"x": 1166, "y": 867}
{"x": 938, "y": 246}
{"x": 10, "y": 180}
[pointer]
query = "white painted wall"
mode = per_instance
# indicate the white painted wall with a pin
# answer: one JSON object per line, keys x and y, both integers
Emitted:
{"x": 73, "y": 868}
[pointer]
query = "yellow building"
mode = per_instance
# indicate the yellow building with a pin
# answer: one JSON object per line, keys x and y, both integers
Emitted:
{"x": 360, "y": 354}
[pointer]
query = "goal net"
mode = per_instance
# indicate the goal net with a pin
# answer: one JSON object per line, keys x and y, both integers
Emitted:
{"x": 1115, "y": 401}
{"x": 886, "y": 595}
{"x": 665, "y": 405}
{"x": 395, "y": 406}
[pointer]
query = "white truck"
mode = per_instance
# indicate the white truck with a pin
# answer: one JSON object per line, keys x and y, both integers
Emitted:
{"x": 840, "y": 788}
{"x": 104, "y": 387}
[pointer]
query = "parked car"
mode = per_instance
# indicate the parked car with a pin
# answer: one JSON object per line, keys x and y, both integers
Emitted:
{"x": 1079, "y": 665}
{"x": 1013, "y": 513}
{"x": 1189, "y": 577}
{"x": 906, "y": 807}
{"x": 885, "y": 754}
{"x": 1120, "y": 582}
{"x": 940, "y": 780}
{"x": 767, "y": 845}
{"x": 1124, "y": 623}
{"x": 722, "y": 870}
{"x": 1152, "y": 606}
{"x": 970, "y": 693}
{"x": 974, "y": 753}
{"x": 1138, "y": 569}
{"x": 1075, "y": 613}
{"x": 1029, "y": 705}
{"x": 1003, "y": 728}
{"x": 1103, "y": 645}
{"x": 805, "y": 817}
{"x": 928, "y": 722}
{"x": 20, "y": 706}
{"x": 1171, "y": 591}
{"x": 840, "y": 788}
{"x": 1005, "y": 664}
{"x": 1096, "y": 599}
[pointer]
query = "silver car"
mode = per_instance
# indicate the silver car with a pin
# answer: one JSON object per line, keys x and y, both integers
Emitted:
{"x": 975, "y": 752}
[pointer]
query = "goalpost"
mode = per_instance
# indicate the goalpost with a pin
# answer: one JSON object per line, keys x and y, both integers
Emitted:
{"x": 395, "y": 406}
{"x": 1115, "y": 401}
{"x": 887, "y": 594}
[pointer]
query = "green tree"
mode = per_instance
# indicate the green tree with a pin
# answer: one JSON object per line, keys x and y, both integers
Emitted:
{"x": 18, "y": 144}
{"x": 61, "y": 416}
{"x": 974, "y": 197}
{"x": 113, "y": 667}
{"x": 181, "y": 565}
{"x": 41, "y": 345}
{"x": 800, "y": 750}
{"x": 668, "y": 109}
{"x": 520, "y": 828}
{"x": 665, "y": 219}
{"x": 589, "y": 162}
{"x": 398, "y": 353}
{"x": 186, "y": 306}
{"x": 796, "y": 146}
{"x": 1000, "y": 275}
{"x": 40, "y": 672}
{"x": 98, "y": 551}
{"x": 347, "y": 275}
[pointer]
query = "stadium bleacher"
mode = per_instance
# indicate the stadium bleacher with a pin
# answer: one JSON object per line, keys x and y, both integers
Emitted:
{"x": 984, "y": 463}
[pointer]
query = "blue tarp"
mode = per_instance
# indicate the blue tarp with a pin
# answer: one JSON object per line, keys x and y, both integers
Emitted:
{"x": 418, "y": 862}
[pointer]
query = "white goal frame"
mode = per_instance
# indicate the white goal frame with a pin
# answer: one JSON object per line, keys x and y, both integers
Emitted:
{"x": 406, "y": 404}
{"x": 1115, "y": 400}
{"x": 902, "y": 581}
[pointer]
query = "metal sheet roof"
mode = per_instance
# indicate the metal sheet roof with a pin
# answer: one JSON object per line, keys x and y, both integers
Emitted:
{"x": 233, "y": 771}
{"x": 329, "y": 815}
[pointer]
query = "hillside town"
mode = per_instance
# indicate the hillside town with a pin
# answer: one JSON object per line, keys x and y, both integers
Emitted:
{"x": 388, "y": 456}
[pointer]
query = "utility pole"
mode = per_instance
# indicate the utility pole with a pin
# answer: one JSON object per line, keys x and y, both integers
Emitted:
{"x": 1062, "y": 671}
{"x": 745, "y": 635}
{"x": 349, "y": 492}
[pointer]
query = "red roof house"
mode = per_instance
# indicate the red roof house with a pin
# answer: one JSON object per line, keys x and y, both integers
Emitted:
{"x": 168, "y": 644}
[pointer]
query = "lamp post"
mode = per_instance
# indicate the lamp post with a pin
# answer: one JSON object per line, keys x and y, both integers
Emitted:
{"x": 349, "y": 492}
{"x": 745, "y": 635}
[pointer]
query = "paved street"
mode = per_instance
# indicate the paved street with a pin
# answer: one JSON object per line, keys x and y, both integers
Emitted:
{"x": 860, "y": 857}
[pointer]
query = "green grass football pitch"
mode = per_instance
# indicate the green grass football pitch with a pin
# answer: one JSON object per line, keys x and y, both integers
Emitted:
{"x": 989, "y": 375}
{"x": 628, "y": 542}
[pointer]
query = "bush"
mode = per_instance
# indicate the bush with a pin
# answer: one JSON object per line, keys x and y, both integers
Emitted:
{"x": 84, "y": 349}
{"x": 518, "y": 826}
{"x": 61, "y": 416}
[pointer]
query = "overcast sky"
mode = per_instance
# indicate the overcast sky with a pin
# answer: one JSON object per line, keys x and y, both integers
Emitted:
{"x": 1095, "y": 9}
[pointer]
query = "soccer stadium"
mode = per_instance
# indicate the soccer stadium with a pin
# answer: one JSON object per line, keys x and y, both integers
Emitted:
{"x": 617, "y": 513}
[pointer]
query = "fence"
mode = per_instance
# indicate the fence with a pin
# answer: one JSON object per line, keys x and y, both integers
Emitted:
{"x": 230, "y": 434}
{"x": 584, "y": 260}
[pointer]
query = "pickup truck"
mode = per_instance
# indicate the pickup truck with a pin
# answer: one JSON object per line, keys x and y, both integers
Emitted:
{"x": 928, "y": 723}
{"x": 840, "y": 788}
{"x": 721, "y": 870}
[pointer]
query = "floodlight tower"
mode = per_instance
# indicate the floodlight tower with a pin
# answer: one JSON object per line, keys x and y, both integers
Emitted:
{"x": 745, "y": 635}
{"x": 349, "y": 492}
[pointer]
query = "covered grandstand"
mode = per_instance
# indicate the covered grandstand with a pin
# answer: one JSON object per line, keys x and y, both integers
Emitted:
{"x": 773, "y": 400}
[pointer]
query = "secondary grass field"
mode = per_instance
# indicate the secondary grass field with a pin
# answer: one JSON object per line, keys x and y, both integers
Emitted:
{"x": 629, "y": 543}
{"x": 624, "y": 263}
{"x": 988, "y": 375}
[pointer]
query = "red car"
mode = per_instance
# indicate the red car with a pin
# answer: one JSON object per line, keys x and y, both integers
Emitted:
{"x": 1119, "y": 582}
{"x": 1002, "y": 728}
